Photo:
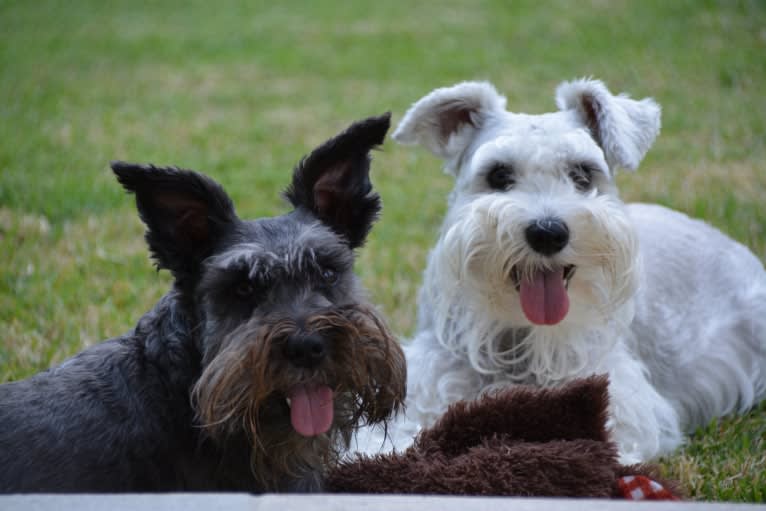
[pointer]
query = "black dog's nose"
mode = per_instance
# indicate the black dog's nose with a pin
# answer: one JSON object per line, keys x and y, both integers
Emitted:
{"x": 305, "y": 350}
{"x": 547, "y": 236}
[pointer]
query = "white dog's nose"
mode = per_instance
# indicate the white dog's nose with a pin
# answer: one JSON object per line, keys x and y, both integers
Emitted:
{"x": 547, "y": 236}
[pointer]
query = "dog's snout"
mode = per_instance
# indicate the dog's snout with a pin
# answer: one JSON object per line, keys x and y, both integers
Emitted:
{"x": 305, "y": 350}
{"x": 547, "y": 236}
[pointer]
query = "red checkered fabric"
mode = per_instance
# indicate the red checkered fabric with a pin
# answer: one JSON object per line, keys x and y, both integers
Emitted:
{"x": 643, "y": 488}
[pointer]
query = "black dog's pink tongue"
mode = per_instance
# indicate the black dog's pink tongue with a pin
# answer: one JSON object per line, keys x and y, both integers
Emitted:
{"x": 544, "y": 298}
{"x": 311, "y": 408}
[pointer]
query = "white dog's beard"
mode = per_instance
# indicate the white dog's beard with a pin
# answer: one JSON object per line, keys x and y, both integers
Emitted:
{"x": 484, "y": 277}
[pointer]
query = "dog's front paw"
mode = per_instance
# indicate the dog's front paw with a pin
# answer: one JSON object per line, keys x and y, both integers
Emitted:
{"x": 642, "y": 423}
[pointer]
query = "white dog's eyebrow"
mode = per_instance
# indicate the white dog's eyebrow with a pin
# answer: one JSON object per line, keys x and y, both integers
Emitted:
{"x": 570, "y": 148}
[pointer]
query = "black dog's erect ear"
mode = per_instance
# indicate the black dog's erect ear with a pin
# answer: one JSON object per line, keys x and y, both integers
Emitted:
{"x": 333, "y": 181}
{"x": 184, "y": 212}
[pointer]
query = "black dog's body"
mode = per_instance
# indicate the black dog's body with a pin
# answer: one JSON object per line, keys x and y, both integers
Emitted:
{"x": 197, "y": 396}
{"x": 117, "y": 417}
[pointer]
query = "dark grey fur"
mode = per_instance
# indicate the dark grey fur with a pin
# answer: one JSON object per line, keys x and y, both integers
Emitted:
{"x": 123, "y": 416}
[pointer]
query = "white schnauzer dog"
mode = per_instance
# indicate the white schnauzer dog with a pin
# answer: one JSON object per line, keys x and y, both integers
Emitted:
{"x": 541, "y": 274}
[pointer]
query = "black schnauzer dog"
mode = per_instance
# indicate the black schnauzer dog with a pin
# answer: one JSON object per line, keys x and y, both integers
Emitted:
{"x": 251, "y": 374}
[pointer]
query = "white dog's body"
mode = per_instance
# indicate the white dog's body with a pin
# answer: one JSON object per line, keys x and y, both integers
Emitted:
{"x": 541, "y": 274}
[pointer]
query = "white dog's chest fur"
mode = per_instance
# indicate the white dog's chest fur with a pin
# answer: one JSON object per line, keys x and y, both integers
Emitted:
{"x": 541, "y": 274}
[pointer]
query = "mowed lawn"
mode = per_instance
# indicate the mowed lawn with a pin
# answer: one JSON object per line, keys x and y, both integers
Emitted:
{"x": 241, "y": 90}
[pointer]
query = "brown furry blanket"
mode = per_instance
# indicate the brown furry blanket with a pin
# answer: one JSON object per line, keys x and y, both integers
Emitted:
{"x": 518, "y": 442}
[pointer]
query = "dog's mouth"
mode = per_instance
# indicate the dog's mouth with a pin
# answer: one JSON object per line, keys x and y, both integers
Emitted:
{"x": 543, "y": 293}
{"x": 311, "y": 408}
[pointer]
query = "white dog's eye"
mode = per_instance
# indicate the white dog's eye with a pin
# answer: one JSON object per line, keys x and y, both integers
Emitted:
{"x": 500, "y": 177}
{"x": 582, "y": 176}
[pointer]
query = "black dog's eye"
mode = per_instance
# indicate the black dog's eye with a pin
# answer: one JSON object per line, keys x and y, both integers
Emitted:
{"x": 500, "y": 177}
{"x": 330, "y": 276}
{"x": 582, "y": 176}
{"x": 245, "y": 289}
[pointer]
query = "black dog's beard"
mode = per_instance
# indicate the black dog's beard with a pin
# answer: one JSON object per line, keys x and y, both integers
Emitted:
{"x": 244, "y": 386}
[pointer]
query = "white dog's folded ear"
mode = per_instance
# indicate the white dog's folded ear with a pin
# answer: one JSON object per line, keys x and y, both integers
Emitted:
{"x": 623, "y": 127}
{"x": 446, "y": 120}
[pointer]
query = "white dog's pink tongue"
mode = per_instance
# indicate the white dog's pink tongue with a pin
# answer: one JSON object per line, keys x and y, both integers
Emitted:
{"x": 544, "y": 298}
{"x": 311, "y": 409}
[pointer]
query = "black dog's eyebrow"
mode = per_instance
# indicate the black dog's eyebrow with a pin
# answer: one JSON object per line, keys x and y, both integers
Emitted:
{"x": 255, "y": 262}
{"x": 336, "y": 256}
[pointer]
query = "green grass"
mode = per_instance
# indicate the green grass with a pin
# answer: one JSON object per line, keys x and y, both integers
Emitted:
{"x": 726, "y": 460}
{"x": 240, "y": 90}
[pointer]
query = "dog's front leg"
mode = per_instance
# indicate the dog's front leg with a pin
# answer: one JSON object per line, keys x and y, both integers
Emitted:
{"x": 642, "y": 423}
{"x": 310, "y": 482}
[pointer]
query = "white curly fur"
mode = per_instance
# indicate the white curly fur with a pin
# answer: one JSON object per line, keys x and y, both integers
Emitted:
{"x": 671, "y": 309}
